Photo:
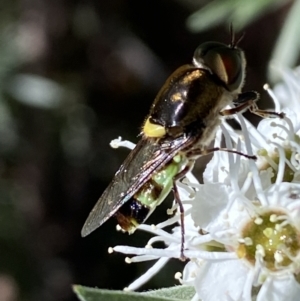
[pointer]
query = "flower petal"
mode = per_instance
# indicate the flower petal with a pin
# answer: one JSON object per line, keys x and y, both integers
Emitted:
{"x": 211, "y": 200}
{"x": 279, "y": 289}
{"x": 219, "y": 279}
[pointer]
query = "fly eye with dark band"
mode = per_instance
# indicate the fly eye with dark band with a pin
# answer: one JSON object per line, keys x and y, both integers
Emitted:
{"x": 226, "y": 62}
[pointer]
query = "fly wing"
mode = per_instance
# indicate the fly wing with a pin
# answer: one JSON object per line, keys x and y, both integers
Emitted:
{"x": 148, "y": 156}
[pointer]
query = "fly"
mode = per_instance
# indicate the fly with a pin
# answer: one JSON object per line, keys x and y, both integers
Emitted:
{"x": 179, "y": 128}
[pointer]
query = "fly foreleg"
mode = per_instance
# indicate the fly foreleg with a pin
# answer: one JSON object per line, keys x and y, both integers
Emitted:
{"x": 247, "y": 101}
{"x": 264, "y": 113}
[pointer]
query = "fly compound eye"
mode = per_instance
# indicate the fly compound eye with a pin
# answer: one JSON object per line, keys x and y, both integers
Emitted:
{"x": 226, "y": 62}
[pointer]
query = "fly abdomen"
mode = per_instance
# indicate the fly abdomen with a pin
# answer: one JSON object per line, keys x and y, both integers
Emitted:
{"x": 131, "y": 214}
{"x": 138, "y": 208}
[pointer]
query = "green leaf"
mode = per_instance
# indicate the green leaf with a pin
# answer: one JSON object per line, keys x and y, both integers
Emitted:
{"x": 167, "y": 294}
{"x": 180, "y": 292}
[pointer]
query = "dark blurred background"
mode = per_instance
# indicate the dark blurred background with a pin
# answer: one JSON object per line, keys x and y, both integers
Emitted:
{"x": 75, "y": 75}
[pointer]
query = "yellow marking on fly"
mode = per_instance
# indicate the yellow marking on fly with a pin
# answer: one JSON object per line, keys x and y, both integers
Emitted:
{"x": 153, "y": 130}
{"x": 176, "y": 97}
{"x": 192, "y": 76}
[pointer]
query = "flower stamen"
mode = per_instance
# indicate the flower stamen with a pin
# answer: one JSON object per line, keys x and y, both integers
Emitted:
{"x": 273, "y": 96}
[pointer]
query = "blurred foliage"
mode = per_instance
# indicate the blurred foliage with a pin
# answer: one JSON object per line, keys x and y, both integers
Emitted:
{"x": 240, "y": 13}
{"x": 287, "y": 47}
{"x": 73, "y": 76}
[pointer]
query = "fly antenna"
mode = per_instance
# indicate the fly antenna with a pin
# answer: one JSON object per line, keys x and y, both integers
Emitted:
{"x": 240, "y": 38}
{"x": 232, "y": 36}
{"x": 233, "y": 42}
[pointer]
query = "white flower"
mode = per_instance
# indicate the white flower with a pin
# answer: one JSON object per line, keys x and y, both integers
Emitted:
{"x": 242, "y": 226}
{"x": 263, "y": 230}
{"x": 265, "y": 240}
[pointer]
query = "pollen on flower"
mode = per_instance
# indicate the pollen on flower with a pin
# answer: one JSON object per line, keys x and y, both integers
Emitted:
{"x": 241, "y": 251}
{"x": 153, "y": 227}
{"x": 262, "y": 152}
{"x": 128, "y": 260}
{"x": 248, "y": 241}
{"x": 115, "y": 143}
{"x": 280, "y": 156}
{"x": 178, "y": 276}
{"x": 258, "y": 221}
{"x": 260, "y": 250}
{"x": 118, "y": 228}
{"x": 268, "y": 232}
{"x": 276, "y": 245}
{"x": 278, "y": 257}
{"x": 110, "y": 250}
{"x": 170, "y": 211}
{"x": 242, "y": 137}
{"x": 273, "y": 218}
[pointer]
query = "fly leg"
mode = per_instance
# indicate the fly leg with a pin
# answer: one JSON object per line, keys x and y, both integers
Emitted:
{"x": 247, "y": 101}
{"x": 264, "y": 113}
{"x": 196, "y": 152}
{"x": 179, "y": 176}
{"x": 192, "y": 155}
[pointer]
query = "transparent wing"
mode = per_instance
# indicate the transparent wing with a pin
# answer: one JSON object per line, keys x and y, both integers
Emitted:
{"x": 148, "y": 156}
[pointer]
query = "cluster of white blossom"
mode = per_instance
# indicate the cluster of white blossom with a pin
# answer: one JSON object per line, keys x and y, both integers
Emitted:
{"x": 242, "y": 225}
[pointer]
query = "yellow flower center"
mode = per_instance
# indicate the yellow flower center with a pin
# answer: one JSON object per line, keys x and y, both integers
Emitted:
{"x": 271, "y": 237}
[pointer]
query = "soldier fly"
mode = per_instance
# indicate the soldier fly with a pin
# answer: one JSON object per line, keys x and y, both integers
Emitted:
{"x": 179, "y": 128}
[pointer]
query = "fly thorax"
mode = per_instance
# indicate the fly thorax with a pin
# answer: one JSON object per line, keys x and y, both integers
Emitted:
{"x": 213, "y": 119}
